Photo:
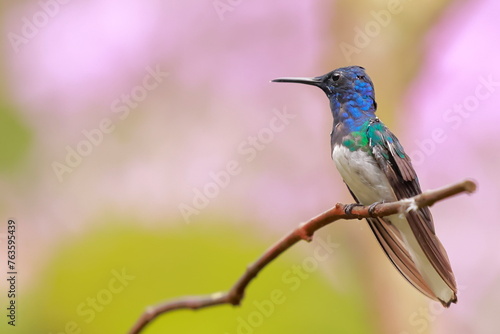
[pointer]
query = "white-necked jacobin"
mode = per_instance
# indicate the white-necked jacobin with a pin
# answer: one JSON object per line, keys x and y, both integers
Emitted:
{"x": 376, "y": 169}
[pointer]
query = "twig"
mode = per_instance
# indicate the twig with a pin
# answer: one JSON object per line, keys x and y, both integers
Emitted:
{"x": 305, "y": 232}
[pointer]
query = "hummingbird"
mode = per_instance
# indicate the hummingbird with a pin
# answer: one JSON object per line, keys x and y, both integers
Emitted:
{"x": 375, "y": 168}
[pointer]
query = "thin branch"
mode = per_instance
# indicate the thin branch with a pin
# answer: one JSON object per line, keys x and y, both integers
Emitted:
{"x": 305, "y": 232}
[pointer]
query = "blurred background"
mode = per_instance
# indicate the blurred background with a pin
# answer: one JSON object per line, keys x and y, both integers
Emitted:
{"x": 145, "y": 155}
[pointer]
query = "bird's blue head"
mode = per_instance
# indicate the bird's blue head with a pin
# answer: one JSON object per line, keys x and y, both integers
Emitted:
{"x": 349, "y": 89}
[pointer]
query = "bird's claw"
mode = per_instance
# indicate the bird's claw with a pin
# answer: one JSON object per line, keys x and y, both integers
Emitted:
{"x": 349, "y": 207}
{"x": 372, "y": 208}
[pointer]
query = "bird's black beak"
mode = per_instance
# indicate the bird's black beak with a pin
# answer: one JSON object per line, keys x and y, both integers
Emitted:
{"x": 308, "y": 81}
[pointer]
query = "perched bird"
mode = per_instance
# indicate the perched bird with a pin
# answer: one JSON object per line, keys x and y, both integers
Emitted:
{"x": 376, "y": 169}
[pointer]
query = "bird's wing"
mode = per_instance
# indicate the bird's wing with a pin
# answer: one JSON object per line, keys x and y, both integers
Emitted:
{"x": 397, "y": 166}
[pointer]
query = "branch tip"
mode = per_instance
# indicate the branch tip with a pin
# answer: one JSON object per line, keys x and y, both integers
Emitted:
{"x": 469, "y": 186}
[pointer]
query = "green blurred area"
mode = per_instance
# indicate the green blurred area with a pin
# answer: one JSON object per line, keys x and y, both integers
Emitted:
{"x": 15, "y": 139}
{"x": 165, "y": 264}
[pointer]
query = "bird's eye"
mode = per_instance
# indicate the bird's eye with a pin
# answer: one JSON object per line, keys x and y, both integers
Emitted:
{"x": 335, "y": 76}
{"x": 361, "y": 77}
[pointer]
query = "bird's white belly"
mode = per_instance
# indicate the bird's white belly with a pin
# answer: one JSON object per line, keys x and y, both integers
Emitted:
{"x": 362, "y": 175}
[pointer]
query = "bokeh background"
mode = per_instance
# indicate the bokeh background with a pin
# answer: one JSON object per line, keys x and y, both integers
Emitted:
{"x": 117, "y": 116}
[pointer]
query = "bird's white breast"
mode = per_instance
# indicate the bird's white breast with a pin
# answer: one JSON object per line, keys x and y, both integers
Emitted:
{"x": 362, "y": 175}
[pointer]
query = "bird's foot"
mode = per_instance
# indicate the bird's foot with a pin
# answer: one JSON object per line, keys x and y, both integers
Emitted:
{"x": 372, "y": 208}
{"x": 349, "y": 207}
